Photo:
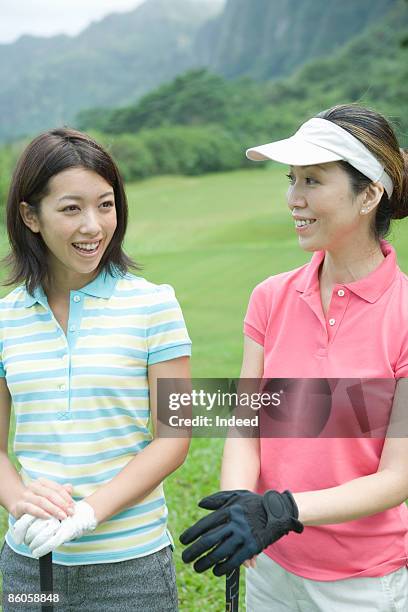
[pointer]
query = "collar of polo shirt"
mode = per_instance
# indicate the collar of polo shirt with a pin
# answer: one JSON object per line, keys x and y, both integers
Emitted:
{"x": 102, "y": 286}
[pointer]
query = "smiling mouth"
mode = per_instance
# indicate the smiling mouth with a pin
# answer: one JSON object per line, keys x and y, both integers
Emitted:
{"x": 87, "y": 248}
{"x": 304, "y": 222}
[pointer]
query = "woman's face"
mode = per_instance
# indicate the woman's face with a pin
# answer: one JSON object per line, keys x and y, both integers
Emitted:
{"x": 77, "y": 220}
{"x": 323, "y": 193}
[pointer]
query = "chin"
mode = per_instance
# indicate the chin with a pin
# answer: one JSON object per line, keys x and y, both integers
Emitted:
{"x": 310, "y": 248}
{"x": 89, "y": 269}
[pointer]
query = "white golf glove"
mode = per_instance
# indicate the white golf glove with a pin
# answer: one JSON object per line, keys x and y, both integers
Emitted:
{"x": 45, "y": 535}
{"x": 32, "y": 523}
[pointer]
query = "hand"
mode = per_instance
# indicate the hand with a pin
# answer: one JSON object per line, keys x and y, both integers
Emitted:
{"x": 44, "y": 498}
{"x": 44, "y": 536}
{"x": 242, "y": 525}
{"x": 250, "y": 562}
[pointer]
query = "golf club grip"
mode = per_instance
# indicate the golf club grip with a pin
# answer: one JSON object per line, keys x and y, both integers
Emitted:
{"x": 232, "y": 591}
{"x": 46, "y": 579}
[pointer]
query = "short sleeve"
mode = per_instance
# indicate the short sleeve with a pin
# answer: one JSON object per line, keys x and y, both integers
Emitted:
{"x": 166, "y": 333}
{"x": 256, "y": 317}
{"x": 401, "y": 367}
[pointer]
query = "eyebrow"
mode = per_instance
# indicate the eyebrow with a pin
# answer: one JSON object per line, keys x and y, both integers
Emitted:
{"x": 312, "y": 166}
{"x": 79, "y": 198}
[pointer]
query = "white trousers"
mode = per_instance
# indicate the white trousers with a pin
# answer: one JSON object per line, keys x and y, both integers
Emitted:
{"x": 270, "y": 588}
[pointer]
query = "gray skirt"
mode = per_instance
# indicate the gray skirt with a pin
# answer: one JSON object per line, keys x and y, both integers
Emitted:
{"x": 147, "y": 584}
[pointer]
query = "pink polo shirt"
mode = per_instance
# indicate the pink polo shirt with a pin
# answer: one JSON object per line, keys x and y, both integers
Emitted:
{"x": 364, "y": 335}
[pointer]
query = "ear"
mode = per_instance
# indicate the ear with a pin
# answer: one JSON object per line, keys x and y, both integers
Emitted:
{"x": 29, "y": 217}
{"x": 371, "y": 197}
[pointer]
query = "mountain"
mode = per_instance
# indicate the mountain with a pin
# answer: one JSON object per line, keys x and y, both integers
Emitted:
{"x": 46, "y": 81}
{"x": 202, "y": 122}
{"x": 116, "y": 61}
{"x": 371, "y": 70}
{"x": 265, "y": 39}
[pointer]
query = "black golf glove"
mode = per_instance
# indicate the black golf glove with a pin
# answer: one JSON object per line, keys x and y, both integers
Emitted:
{"x": 242, "y": 525}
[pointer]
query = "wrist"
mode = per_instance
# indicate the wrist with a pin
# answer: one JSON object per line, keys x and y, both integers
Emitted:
{"x": 12, "y": 504}
{"x": 12, "y": 509}
{"x": 291, "y": 503}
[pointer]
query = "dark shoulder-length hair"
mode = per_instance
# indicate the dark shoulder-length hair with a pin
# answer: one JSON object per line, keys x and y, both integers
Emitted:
{"x": 48, "y": 154}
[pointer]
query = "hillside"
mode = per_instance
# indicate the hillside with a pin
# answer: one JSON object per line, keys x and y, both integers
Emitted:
{"x": 370, "y": 69}
{"x": 46, "y": 81}
{"x": 265, "y": 39}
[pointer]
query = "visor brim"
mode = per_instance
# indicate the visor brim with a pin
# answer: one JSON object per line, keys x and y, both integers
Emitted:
{"x": 292, "y": 151}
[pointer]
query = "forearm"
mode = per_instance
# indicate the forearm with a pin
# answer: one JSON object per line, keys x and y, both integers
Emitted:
{"x": 11, "y": 484}
{"x": 140, "y": 476}
{"x": 240, "y": 464}
{"x": 355, "y": 499}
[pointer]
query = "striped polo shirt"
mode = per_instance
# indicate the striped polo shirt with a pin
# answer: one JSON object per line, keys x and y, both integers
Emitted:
{"x": 81, "y": 399}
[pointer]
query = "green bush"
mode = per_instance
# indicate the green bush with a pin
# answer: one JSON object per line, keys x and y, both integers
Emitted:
{"x": 196, "y": 97}
{"x": 134, "y": 159}
{"x": 192, "y": 150}
{"x": 188, "y": 150}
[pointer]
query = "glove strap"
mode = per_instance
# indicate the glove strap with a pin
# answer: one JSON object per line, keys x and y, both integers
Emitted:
{"x": 87, "y": 515}
{"x": 282, "y": 506}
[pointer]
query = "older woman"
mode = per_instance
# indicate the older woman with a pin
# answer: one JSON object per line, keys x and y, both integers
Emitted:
{"x": 339, "y": 501}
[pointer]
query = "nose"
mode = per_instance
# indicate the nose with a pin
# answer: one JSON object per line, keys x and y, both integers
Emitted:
{"x": 295, "y": 197}
{"x": 89, "y": 223}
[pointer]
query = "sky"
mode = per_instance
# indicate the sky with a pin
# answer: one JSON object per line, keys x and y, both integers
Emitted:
{"x": 50, "y": 17}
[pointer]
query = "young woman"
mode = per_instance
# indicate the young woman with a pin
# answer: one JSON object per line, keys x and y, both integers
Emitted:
{"x": 83, "y": 342}
{"x": 328, "y": 512}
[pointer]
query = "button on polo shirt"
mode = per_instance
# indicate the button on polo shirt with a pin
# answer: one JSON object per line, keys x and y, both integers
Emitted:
{"x": 82, "y": 400}
{"x": 368, "y": 339}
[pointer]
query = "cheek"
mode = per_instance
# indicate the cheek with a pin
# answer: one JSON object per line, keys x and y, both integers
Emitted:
{"x": 58, "y": 233}
{"x": 113, "y": 223}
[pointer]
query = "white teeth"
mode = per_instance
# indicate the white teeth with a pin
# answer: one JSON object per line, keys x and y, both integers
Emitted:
{"x": 89, "y": 246}
{"x": 301, "y": 222}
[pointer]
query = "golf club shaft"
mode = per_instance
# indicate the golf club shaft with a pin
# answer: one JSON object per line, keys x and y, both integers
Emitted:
{"x": 46, "y": 580}
{"x": 232, "y": 591}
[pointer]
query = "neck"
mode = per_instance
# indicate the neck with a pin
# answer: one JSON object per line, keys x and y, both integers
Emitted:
{"x": 58, "y": 286}
{"x": 340, "y": 267}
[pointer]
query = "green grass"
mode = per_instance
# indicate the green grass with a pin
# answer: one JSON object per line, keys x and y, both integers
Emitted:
{"x": 213, "y": 238}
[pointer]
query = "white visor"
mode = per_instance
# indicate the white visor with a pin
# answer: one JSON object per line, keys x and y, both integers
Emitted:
{"x": 319, "y": 141}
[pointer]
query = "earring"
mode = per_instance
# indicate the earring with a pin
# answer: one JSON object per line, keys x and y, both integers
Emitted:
{"x": 364, "y": 210}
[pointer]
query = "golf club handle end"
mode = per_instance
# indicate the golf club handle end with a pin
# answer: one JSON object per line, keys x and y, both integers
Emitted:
{"x": 232, "y": 591}
{"x": 46, "y": 579}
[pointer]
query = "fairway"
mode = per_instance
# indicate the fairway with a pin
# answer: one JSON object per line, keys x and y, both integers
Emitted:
{"x": 213, "y": 238}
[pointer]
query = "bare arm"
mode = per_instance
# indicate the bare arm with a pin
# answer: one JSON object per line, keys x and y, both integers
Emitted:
{"x": 42, "y": 498}
{"x": 367, "y": 495}
{"x": 241, "y": 463}
{"x": 150, "y": 467}
{"x": 11, "y": 485}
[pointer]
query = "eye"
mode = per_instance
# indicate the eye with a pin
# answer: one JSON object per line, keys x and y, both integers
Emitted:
{"x": 108, "y": 204}
{"x": 309, "y": 180}
{"x": 70, "y": 208}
